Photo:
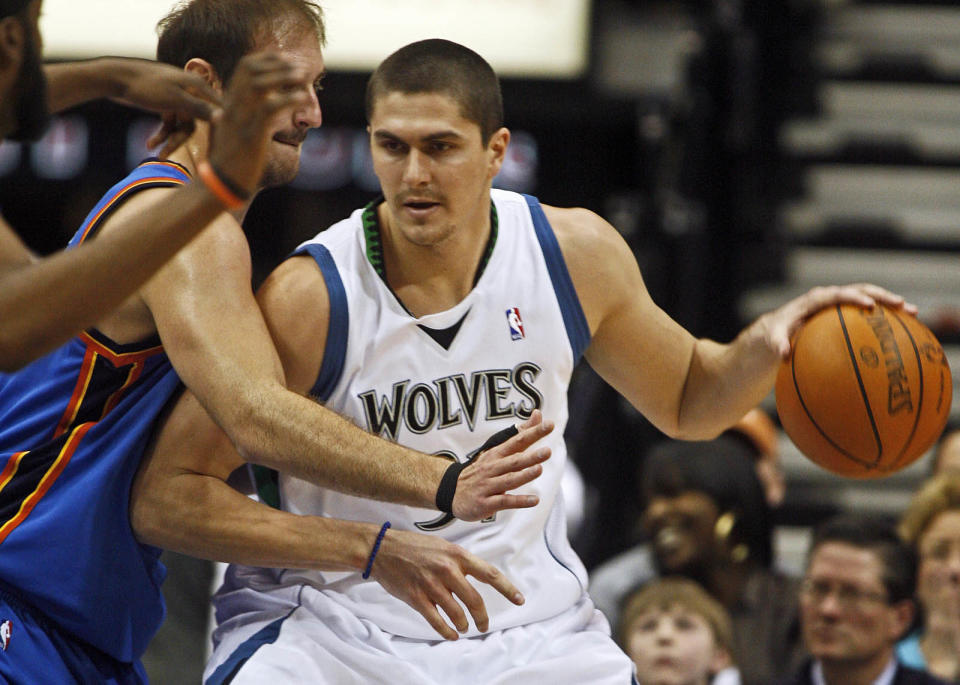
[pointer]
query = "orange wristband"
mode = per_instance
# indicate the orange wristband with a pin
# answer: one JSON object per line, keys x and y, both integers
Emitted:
{"x": 228, "y": 198}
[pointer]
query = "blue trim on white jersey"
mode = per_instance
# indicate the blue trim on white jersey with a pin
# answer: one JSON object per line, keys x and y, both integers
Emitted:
{"x": 338, "y": 327}
{"x": 267, "y": 635}
{"x": 573, "y": 318}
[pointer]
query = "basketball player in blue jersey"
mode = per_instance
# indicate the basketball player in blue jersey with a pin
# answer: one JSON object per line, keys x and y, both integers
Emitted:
{"x": 45, "y": 301}
{"x": 80, "y": 592}
{"x": 439, "y": 315}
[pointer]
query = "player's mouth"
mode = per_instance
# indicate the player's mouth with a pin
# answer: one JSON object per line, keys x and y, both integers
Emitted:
{"x": 291, "y": 139}
{"x": 420, "y": 208}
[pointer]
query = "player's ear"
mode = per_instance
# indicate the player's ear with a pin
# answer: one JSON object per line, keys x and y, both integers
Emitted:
{"x": 206, "y": 71}
{"x": 497, "y": 149}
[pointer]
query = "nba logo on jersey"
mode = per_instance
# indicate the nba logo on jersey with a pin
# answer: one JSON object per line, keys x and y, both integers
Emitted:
{"x": 515, "y": 324}
{"x": 6, "y": 630}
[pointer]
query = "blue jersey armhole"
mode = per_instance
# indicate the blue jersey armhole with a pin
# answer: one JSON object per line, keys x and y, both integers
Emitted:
{"x": 335, "y": 351}
{"x": 120, "y": 192}
{"x": 578, "y": 332}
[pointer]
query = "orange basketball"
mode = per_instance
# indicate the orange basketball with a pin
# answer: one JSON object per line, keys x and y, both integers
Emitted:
{"x": 864, "y": 392}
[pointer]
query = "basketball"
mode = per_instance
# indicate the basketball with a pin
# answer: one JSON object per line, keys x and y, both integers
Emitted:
{"x": 864, "y": 392}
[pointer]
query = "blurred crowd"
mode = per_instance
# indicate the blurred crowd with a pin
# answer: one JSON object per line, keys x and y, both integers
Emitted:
{"x": 705, "y": 596}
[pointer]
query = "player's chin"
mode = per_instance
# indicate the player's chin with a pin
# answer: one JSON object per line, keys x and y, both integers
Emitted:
{"x": 278, "y": 174}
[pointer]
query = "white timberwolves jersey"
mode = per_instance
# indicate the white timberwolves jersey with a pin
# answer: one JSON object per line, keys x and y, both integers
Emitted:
{"x": 444, "y": 383}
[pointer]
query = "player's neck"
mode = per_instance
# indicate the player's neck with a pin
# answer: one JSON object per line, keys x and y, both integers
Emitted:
{"x": 431, "y": 278}
{"x": 193, "y": 151}
{"x": 428, "y": 283}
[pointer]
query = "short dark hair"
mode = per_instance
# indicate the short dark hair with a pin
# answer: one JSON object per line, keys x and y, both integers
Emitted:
{"x": 223, "y": 31}
{"x": 442, "y": 66}
{"x": 880, "y": 537}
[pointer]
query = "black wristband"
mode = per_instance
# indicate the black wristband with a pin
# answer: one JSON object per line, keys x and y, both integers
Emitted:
{"x": 448, "y": 484}
{"x": 497, "y": 438}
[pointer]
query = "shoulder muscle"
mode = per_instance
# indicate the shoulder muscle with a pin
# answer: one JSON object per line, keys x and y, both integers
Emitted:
{"x": 296, "y": 306}
{"x": 601, "y": 264}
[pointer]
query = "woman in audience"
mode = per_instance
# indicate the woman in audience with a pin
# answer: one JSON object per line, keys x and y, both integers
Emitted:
{"x": 707, "y": 517}
{"x": 931, "y": 525}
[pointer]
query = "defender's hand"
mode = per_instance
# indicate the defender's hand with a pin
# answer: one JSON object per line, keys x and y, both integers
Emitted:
{"x": 178, "y": 96}
{"x": 428, "y": 572}
{"x": 159, "y": 87}
{"x": 482, "y": 486}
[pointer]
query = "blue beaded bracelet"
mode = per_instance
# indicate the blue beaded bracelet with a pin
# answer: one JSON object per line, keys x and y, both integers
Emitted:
{"x": 376, "y": 548}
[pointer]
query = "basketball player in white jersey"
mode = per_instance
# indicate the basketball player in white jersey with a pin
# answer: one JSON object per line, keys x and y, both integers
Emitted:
{"x": 438, "y": 316}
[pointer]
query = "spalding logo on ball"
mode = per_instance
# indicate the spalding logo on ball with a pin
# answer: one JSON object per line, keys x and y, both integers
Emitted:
{"x": 865, "y": 392}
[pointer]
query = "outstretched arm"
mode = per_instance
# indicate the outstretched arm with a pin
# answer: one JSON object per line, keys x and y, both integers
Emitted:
{"x": 218, "y": 340}
{"x": 688, "y": 387}
{"x": 44, "y": 302}
{"x": 136, "y": 82}
{"x": 179, "y": 96}
{"x": 181, "y": 501}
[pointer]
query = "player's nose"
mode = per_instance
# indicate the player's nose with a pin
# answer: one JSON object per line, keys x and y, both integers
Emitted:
{"x": 416, "y": 170}
{"x": 311, "y": 115}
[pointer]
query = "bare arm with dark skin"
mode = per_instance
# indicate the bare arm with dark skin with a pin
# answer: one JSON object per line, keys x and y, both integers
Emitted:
{"x": 139, "y": 83}
{"x": 180, "y": 97}
{"x": 43, "y": 302}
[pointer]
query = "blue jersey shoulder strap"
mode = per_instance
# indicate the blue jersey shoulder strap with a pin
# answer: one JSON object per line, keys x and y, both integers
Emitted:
{"x": 578, "y": 332}
{"x": 335, "y": 351}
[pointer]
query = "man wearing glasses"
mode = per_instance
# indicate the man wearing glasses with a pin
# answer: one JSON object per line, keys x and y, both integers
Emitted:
{"x": 856, "y": 601}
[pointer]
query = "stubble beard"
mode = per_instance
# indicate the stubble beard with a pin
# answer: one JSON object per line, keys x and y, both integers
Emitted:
{"x": 277, "y": 174}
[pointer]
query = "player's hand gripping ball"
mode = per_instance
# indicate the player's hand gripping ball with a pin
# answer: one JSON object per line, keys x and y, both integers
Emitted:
{"x": 864, "y": 392}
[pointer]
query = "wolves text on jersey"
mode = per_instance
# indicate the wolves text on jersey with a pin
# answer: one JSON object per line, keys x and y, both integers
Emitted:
{"x": 451, "y": 400}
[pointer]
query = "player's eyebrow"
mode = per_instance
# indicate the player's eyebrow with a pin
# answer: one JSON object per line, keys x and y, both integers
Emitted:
{"x": 436, "y": 135}
{"x": 446, "y": 135}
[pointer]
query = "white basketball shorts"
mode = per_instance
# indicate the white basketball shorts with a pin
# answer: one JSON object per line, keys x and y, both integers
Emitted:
{"x": 298, "y": 635}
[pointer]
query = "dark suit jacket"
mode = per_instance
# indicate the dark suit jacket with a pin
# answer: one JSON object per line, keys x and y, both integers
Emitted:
{"x": 904, "y": 676}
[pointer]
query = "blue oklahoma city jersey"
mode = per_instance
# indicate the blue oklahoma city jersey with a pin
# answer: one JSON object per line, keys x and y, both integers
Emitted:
{"x": 73, "y": 427}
